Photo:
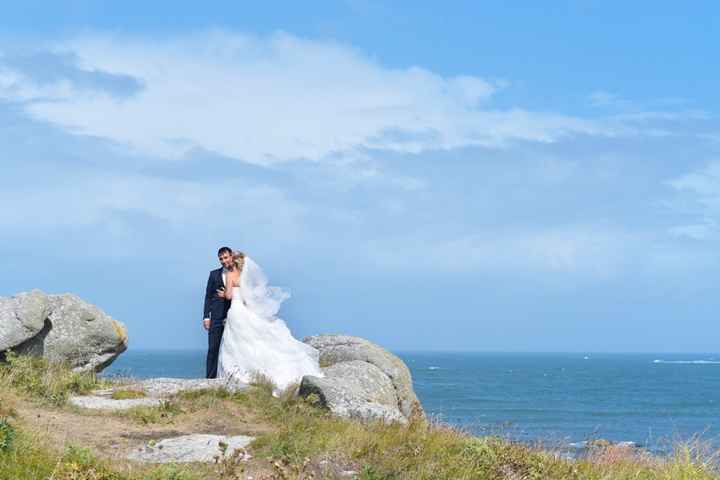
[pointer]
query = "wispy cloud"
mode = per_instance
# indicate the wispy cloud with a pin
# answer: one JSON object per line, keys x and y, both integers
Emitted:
{"x": 214, "y": 98}
{"x": 50, "y": 77}
{"x": 698, "y": 200}
{"x": 274, "y": 98}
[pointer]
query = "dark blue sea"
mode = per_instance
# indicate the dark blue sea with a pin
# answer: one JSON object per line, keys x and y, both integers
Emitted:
{"x": 558, "y": 399}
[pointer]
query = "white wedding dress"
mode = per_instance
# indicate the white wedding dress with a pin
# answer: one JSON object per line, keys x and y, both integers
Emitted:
{"x": 256, "y": 340}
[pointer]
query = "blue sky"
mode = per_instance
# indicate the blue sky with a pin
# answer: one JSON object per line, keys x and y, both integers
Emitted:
{"x": 476, "y": 176}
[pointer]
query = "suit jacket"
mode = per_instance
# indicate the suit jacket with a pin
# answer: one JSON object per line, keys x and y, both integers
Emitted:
{"x": 216, "y": 308}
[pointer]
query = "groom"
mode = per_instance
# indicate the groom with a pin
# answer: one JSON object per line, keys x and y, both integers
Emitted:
{"x": 216, "y": 308}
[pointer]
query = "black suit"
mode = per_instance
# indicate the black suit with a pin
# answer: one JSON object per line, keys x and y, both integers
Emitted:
{"x": 216, "y": 309}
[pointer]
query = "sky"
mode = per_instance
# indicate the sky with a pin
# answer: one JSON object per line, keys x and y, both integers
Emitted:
{"x": 483, "y": 176}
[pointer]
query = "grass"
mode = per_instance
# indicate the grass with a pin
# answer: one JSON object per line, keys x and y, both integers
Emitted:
{"x": 51, "y": 383}
{"x": 127, "y": 394}
{"x": 7, "y": 434}
{"x": 307, "y": 442}
{"x": 31, "y": 459}
{"x": 429, "y": 450}
{"x": 146, "y": 415}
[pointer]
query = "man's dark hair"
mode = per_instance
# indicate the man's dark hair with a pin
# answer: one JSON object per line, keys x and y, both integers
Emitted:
{"x": 223, "y": 250}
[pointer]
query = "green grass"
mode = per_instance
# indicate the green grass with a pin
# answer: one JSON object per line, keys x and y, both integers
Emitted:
{"x": 303, "y": 433}
{"x": 31, "y": 460}
{"x": 7, "y": 434}
{"x": 51, "y": 383}
{"x": 146, "y": 415}
{"x": 127, "y": 394}
{"x": 425, "y": 450}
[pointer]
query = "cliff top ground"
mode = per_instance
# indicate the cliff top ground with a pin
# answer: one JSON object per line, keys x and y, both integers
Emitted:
{"x": 43, "y": 436}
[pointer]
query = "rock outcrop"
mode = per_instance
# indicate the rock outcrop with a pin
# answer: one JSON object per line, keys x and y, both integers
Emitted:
{"x": 22, "y": 317}
{"x": 192, "y": 448}
{"x": 362, "y": 380}
{"x": 61, "y": 328}
{"x": 165, "y": 387}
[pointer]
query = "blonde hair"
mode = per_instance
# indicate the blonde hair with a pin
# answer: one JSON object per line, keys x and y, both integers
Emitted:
{"x": 238, "y": 259}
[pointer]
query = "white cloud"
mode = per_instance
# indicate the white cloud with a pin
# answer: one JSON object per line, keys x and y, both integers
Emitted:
{"x": 602, "y": 98}
{"x": 698, "y": 198}
{"x": 15, "y": 85}
{"x": 586, "y": 250}
{"x": 703, "y": 183}
{"x": 697, "y": 231}
{"x": 81, "y": 200}
{"x": 268, "y": 99}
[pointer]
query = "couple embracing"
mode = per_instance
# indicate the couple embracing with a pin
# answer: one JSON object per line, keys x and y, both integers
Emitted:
{"x": 245, "y": 337}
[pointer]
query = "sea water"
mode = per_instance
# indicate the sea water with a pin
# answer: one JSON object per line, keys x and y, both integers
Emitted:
{"x": 558, "y": 399}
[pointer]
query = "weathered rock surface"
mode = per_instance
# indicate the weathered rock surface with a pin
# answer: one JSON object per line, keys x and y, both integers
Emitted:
{"x": 189, "y": 448}
{"x": 155, "y": 390}
{"x": 71, "y": 330}
{"x": 98, "y": 402}
{"x": 21, "y": 317}
{"x": 354, "y": 390}
{"x": 165, "y": 387}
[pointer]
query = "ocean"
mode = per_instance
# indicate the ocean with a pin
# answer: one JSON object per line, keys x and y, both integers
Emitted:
{"x": 557, "y": 399}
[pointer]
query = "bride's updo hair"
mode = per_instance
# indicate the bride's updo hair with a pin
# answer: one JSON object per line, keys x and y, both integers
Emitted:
{"x": 239, "y": 259}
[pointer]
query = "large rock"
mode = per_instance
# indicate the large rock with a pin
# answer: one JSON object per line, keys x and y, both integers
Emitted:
{"x": 355, "y": 389}
{"x": 71, "y": 330}
{"x": 191, "y": 448}
{"x": 361, "y": 379}
{"x": 21, "y": 317}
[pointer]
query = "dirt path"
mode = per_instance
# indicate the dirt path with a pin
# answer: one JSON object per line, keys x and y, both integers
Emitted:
{"x": 113, "y": 435}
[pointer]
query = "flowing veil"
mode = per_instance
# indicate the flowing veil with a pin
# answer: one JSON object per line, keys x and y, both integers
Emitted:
{"x": 256, "y": 340}
{"x": 262, "y": 299}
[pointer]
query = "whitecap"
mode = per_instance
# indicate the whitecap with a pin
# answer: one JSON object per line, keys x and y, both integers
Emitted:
{"x": 689, "y": 362}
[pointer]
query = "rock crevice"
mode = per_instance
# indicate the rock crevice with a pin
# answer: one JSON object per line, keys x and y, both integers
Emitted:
{"x": 362, "y": 380}
{"x": 61, "y": 328}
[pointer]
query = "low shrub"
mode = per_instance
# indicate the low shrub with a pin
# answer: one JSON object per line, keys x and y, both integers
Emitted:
{"x": 7, "y": 435}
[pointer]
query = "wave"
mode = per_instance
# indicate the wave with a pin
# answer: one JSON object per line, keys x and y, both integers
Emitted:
{"x": 584, "y": 444}
{"x": 433, "y": 368}
{"x": 690, "y": 362}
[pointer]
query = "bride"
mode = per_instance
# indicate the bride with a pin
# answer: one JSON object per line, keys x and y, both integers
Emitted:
{"x": 254, "y": 339}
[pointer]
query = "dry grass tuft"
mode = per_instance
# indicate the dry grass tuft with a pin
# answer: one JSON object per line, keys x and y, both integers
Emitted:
{"x": 50, "y": 383}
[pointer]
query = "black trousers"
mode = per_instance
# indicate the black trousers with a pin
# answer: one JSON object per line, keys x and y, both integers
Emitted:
{"x": 214, "y": 338}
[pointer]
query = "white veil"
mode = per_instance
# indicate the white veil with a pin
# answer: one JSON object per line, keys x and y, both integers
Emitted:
{"x": 262, "y": 299}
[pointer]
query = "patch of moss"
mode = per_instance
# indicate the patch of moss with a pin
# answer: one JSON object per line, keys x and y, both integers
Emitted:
{"x": 127, "y": 394}
{"x": 120, "y": 331}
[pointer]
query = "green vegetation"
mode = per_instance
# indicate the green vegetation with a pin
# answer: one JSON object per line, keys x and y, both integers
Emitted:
{"x": 163, "y": 413}
{"x": 31, "y": 460}
{"x": 127, "y": 394}
{"x": 307, "y": 442}
{"x": 51, "y": 383}
{"x": 7, "y": 434}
